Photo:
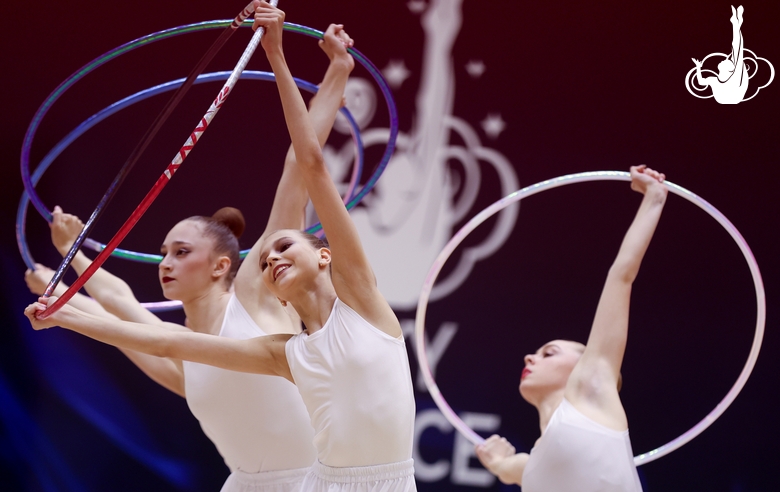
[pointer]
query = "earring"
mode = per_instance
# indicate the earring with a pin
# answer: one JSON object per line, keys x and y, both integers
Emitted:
{"x": 284, "y": 303}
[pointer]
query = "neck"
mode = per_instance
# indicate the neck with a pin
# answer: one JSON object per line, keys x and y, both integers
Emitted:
{"x": 206, "y": 311}
{"x": 314, "y": 305}
{"x": 547, "y": 405}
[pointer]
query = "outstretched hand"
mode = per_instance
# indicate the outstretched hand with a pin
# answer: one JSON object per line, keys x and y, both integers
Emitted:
{"x": 644, "y": 179}
{"x": 494, "y": 451}
{"x": 65, "y": 228}
{"x": 272, "y": 20}
{"x": 696, "y": 62}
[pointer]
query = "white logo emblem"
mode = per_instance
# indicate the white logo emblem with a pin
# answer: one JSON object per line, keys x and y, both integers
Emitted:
{"x": 730, "y": 84}
{"x": 422, "y": 195}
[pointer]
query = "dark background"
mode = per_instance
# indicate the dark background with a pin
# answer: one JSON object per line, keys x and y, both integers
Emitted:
{"x": 581, "y": 87}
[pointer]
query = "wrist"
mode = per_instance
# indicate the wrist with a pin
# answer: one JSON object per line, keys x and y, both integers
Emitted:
{"x": 275, "y": 54}
{"x": 343, "y": 62}
{"x": 656, "y": 190}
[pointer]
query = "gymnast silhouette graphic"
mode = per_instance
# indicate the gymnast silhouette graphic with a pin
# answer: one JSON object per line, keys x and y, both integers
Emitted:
{"x": 734, "y": 70}
{"x": 731, "y": 84}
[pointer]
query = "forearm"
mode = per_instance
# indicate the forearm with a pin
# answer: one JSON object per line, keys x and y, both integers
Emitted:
{"x": 291, "y": 194}
{"x": 304, "y": 139}
{"x": 326, "y": 103}
{"x": 147, "y": 339}
{"x": 83, "y": 303}
{"x": 103, "y": 286}
{"x": 638, "y": 236}
{"x": 253, "y": 355}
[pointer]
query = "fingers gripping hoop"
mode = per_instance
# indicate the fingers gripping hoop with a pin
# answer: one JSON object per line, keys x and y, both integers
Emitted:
{"x": 515, "y": 197}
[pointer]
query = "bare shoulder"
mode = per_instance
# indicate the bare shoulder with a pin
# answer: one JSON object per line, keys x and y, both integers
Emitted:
{"x": 373, "y": 308}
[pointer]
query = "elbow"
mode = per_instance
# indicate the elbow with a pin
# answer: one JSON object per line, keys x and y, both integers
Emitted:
{"x": 623, "y": 271}
{"x": 313, "y": 160}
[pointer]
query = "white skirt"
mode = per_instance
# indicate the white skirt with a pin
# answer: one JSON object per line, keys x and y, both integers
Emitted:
{"x": 393, "y": 477}
{"x": 271, "y": 481}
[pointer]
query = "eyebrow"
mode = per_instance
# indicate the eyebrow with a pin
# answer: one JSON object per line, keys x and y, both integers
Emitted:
{"x": 177, "y": 243}
{"x": 264, "y": 255}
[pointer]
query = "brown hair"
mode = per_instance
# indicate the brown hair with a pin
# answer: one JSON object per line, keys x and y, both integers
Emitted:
{"x": 315, "y": 241}
{"x": 224, "y": 227}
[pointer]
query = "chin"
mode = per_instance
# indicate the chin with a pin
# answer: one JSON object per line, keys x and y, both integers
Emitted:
{"x": 524, "y": 389}
{"x": 170, "y": 294}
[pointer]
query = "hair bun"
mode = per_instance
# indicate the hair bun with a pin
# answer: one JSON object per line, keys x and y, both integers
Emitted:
{"x": 232, "y": 218}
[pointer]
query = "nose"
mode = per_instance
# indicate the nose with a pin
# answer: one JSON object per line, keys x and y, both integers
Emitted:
{"x": 528, "y": 359}
{"x": 165, "y": 264}
{"x": 272, "y": 258}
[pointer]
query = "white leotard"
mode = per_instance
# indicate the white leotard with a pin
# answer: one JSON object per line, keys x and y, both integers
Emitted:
{"x": 577, "y": 454}
{"x": 356, "y": 384}
{"x": 258, "y": 423}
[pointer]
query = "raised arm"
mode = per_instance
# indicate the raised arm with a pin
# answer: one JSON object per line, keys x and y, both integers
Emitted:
{"x": 261, "y": 355}
{"x": 596, "y": 375}
{"x": 353, "y": 278}
{"x": 110, "y": 291}
{"x": 291, "y": 195}
{"x": 699, "y": 78}
{"x": 165, "y": 372}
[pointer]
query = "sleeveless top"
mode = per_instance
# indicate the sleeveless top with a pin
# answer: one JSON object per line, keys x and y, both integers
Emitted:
{"x": 355, "y": 381}
{"x": 258, "y": 423}
{"x": 577, "y": 454}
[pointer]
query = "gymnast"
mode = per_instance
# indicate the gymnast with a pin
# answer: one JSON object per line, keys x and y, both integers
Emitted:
{"x": 258, "y": 423}
{"x": 584, "y": 445}
{"x": 731, "y": 84}
{"x": 350, "y": 363}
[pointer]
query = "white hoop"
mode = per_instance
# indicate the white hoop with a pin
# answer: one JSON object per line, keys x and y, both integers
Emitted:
{"x": 481, "y": 217}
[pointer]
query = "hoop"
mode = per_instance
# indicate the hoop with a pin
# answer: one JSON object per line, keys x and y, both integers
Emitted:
{"x": 138, "y": 97}
{"x": 43, "y": 109}
{"x": 481, "y": 217}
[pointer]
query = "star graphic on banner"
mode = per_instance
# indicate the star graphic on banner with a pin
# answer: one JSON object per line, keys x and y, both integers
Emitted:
{"x": 493, "y": 125}
{"x": 416, "y": 6}
{"x": 396, "y": 72}
{"x": 475, "y": 68}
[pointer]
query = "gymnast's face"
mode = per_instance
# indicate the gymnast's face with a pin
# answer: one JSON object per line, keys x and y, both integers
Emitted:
{"x": 548, "y": 369}
{"x": 189, "y": 264}
{"x": 287, "y": 258}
